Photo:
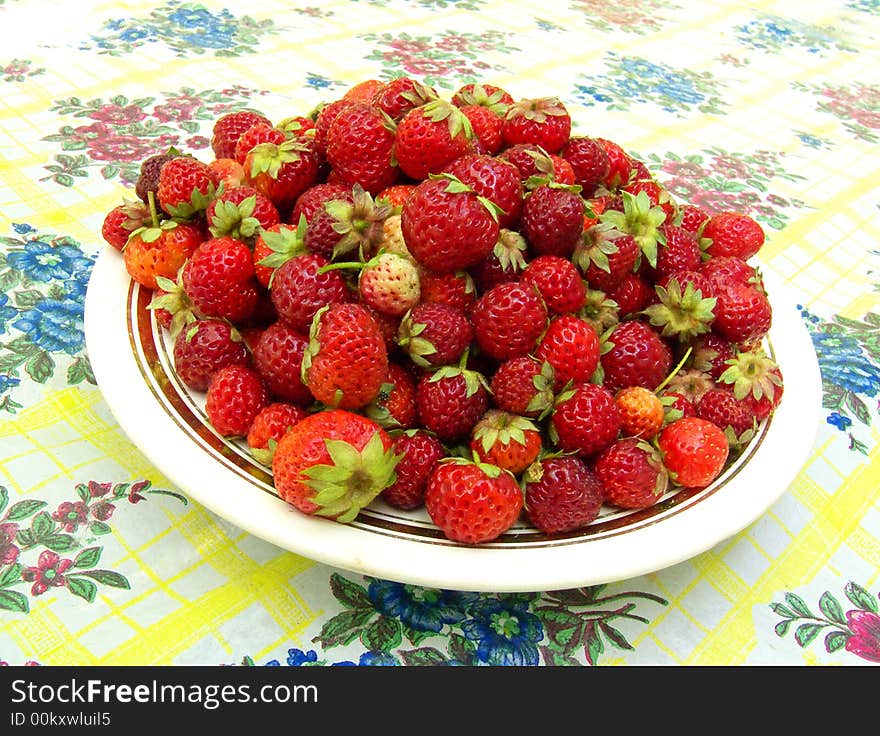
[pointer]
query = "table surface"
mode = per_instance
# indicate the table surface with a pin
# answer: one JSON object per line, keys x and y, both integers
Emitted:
{"x": 773, "y": 110}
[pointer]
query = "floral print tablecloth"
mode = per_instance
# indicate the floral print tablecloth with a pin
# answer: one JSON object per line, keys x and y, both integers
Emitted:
{"x": 771, "y": 108}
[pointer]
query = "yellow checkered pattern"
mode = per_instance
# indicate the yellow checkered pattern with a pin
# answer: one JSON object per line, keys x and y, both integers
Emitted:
{"x": 202, "y": 590}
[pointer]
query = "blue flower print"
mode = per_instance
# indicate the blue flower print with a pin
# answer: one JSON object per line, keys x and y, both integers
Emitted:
{"x": 423, "y": 609}
{"x": 843, "y": 363}
{"x": 55, "y": 325}
{"x": 7, "y": 383}
{"x": 7, "y": 312}
{"x": 42, "y": 261}
{"x": 836, "y": 419}
{"x": 505, "y": 632}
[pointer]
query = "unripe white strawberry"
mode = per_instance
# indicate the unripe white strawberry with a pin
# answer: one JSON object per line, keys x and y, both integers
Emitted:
{"x": 392, "y": 238}
{"x": 390, "y": 284}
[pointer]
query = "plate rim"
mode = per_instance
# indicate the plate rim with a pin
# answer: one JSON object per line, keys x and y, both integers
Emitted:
{"x": 441, "y": 564}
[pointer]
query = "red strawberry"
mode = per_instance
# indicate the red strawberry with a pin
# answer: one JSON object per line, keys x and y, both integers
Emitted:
{"x": 571, "y": 346}
{"x": 429, "y": 137}
{"x": 446, "y": 226}
{"x": 256, "y": 135}
{"x": 320, "y": 236}
{"x": 325, "y": 116}
{"x": 553, "y": 220}
{"x": 360, "y": 143}
{"x": 485, "y": 95}
{"x": 721, "y": 271}
{"x": 400, "y": 95}
{"x": 606, "y": 256}
{"x": 434, "y": 334}
{"x": 638, "y": 356}
{"x": 242, "y": 212}
{"x": 508, "y": 320}
{"x": 456, "y": 289}
{"x": 273, "y": 246}
{"x": 283, "y": 171}
{"x": 692, "y": 217}
{"x": 486, "y": 127}
{"x": 722, "y": 408}
{"x": 562, "y": 494}
{"x": 333, "y": 464}
{"x": 346, "y": 361}
{"x": 395, "y": 405}
{"x": 523, "y": 385}
{"x": 396, "y": 194}
{"x": 694, "y": 451}
{"x": 679, "y": 251}
{"x": 186, "y": 187}
{"x": 542, "y": 121}
{"x": 733, "y": 234}
{"x": 632, "y": 294}
{"x": 451, "y": 401}
{"x": 743, "y": 314}
{"x": 620, "y": 165}
{"x": 558, "y": 282}
{"x": 235, "y": 395}
{"x": 120, "y": 222}
{"x": 589, "y": 160}
{"x": 227, "y": 173}
{"x": 278, "y": 354}
{"x": 632, "y": 474}
{"x": 585, "y": 420}
{"x": 508, "y": 441}
{"x": 536, "y": 166}
{"x": 205, "y": 347}
{"x": 496, "y": 180}
{"x": 711, "y": 353}
{"x": 505, "y": 263}
{"x": 756, "y": 379}
{"x": 472, "y": 503}
{"x": 219, "y": 279}
{"x": 300, "y": 288}
{"x": 228, "y": 129}
{"x": 270, "y": 424}
{"x": 420, "y": 452}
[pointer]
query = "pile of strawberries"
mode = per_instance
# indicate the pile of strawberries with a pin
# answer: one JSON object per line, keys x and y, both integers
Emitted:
{"x": 453, "y": 304}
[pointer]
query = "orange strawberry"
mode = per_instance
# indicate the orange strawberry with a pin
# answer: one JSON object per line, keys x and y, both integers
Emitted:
{"x": 641, "y": 411}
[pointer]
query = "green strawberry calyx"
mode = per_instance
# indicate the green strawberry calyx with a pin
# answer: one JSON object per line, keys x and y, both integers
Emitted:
{"x": 409, "y": 338}
{"x": 359, "y": 222}
{"x": 594, "y": 247}
{"x": 352, "y": 478}
{"x": 503, "y": 428}
{"x": 285, "y": 243}
{"x": 151, "y": 228}
{"x": 599, "y": 310}
{"x": 510, "y": 250}
{"x": 236, "y": 220}
{"x": 473, "y": 380}
{"x": 268, "y": 158}
{"x": 537, "y": 109}
{"x": 479, "y": 95}
{"x": 640, "y": 219}
{"x": 542, "y": 401}
{"x": 439, "y": 110}
{"x": 174, "y": 300}
{"x": 752, "y": 372}
{"x": 681, "y": 313}
{"x": 457, "y": 186}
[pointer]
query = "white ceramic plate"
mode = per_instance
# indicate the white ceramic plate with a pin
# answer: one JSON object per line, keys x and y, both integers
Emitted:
{"x": 133, "y": 366}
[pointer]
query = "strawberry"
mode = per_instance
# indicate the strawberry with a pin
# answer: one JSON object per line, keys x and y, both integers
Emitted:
{"x": 227, "y": 173}
{"x": 692, "y": 217}
{"x": 694, "y": 451}
{"x": 690, "y": 383}
{"x": 364, "y": 91}
{"x": 278, "y": 354}
{"x": 434, "y": 334}
{"x": 390, "y": 284}
{"x": 681, "y": 312}
{"x": 396, "y": 194}
{"x": 357, "y": 222}
{"x": 756, "y": 379}
{"x": 283, "y": 171}
{"x": 451, "y": 400}
{"x": 395, "y": 405}
{"x": 678, "y": 251}
{"x": 542, "y": 121}
{"x": 391, "y": 239}
{"x": 273, "y": 246}
{"x": 553, "y": 220}
{"x": 486, "y": 127}
{"x": 508, "y": 320}
{"x": 632, "y": 474}
{"x": 733, "y": 234}
{"x": 489, "y": 96}
{"x": 722, "y": 271}
{"x": 346, "y": 361}
{"x": 219, "y": 279}
{"x": 270, "y": 424}
{"x": 508, "y": 441}
{"x": 235, "y": 396}
{"x": 496, "y": 180}
{"x": 446, "y": 226}
{"x": 121, "y": 221}
{"x": 360, "y": 143}
{"x": 571, "y": 346}
{"x": 205, "y": 347}
{"x": 620, "y": 165}
{"x": 656, "y": 194}
{"x": 585, "y": 420}
{"x": 325, "y": 116}
{"x": 186, "y": 187}
{"x": 429, "y": 137}
{"x": 640, "y": 218}
{"x": 641, "y": 411}
{"x": 242, "y": 212}
{"x": 300, "y": 287}
{"x": 524, "y": 386}
{"x": 562, "y": 494}
{"x": 557, "y": 281}
{"x": 420, "y": 452}
{"x": 536, "y": 166}
{"x": 320, "y": 236}
{"x": 228, "y": 129}
{"x": 400, "y": 95}
{"x": 711, "y": 353}
{"x": 455, "y": 289}
{"x": 605, "y": 256}
{"x": 600, "y": 311}
{"x": 256, "y": 135}
{"x": 148, "y": 174}
{"x": 589, "y": 160}
{"x": 637, "y": 356}
{"x": 743, "y": 314}
{"x": 472, "y": 502}
{"x": 333, "y": 464}
{"x": 722, "y": 408}
{"x": 632, "y": 294}
{"x": 505, "y": 263}
{"x": 159, "y": 251}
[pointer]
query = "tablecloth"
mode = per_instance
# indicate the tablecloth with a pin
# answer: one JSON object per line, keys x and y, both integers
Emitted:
{"x": 772, "y": 108}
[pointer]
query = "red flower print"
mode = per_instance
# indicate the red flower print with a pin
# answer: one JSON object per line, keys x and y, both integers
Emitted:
{"x": 116, "y": 115}
{"x": 120, "y": 148}
{"x": 96, "y": 490}
{"x": 134, "y": 493}
{"x": 687, "y": 169}
{"x": 8, "y": 550}
{"x": 70, "y": 514}
{"x": 49, "y": 572}
{"x": 103, "y": 510}
{"x": 865, "y": 639}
